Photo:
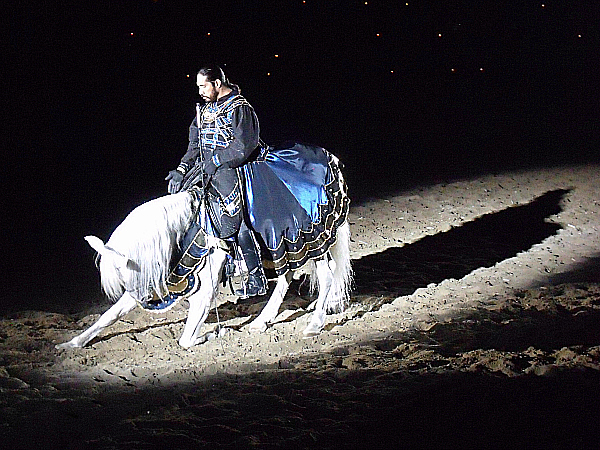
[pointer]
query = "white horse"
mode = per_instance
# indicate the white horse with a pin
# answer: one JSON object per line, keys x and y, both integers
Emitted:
{"x": 134, "y": 266}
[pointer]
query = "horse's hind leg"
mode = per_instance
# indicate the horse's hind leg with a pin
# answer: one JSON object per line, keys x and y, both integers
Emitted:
{"x": 325, "y": 280}
{"x": 124, "y": 305}
{"x": 269, "y": 312}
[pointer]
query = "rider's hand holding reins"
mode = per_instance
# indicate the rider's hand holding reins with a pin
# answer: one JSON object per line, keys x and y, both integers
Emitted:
{"x": 174, "y": 178}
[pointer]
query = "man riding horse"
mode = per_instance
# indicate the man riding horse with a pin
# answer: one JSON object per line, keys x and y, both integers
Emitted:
{"x": 224, "y": 136}
{"x": 293, "y": 197}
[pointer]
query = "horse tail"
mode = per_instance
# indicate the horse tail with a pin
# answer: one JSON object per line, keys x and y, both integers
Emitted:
{"x": 339, "y": 295}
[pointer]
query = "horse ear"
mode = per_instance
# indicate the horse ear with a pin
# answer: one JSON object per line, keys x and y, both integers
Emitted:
{"x": 96, "y": 244}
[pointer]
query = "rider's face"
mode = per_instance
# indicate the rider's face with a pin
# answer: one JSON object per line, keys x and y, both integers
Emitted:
{"x": 207, "y": 89}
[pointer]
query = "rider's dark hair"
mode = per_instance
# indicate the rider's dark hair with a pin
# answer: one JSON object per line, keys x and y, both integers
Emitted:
{"x": 212, "y": 72}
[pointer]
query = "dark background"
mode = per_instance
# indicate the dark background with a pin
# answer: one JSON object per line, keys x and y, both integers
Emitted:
{"x": 99, "y": 102}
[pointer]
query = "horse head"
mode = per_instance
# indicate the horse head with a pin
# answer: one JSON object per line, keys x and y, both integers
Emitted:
{"x": 121, "y": 260}
{"x": 116, "y": 269}
{"x": 136, "y": 257}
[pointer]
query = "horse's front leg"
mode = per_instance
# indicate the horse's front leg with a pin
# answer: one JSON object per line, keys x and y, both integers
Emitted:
{"x": 200, "y": 302}
{"x": 124, "y": 305}
{"x": 325, "y": 279}
{"x": 269, "y": 312}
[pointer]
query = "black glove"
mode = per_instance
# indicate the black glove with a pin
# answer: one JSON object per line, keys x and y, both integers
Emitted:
{"x": 174, "y": 178}
{"x": 208, "y": 167}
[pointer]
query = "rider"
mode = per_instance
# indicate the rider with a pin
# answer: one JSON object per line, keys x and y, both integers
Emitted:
{"x": 227, "y": 136}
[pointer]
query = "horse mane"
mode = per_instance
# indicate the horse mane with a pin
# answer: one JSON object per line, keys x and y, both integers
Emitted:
{"x": 147, "y": 238}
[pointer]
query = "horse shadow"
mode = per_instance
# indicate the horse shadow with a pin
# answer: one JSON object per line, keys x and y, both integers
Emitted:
{"x": 485, "y": 241}
{"x": 397, "y": 271}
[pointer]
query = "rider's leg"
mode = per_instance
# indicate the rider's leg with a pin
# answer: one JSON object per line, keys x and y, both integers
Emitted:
{"x": 256, "y": 283}
{"x": 227, "y": 184}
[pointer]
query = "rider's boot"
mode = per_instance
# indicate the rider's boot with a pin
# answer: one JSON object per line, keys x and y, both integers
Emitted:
{"x": 256, "y": 283}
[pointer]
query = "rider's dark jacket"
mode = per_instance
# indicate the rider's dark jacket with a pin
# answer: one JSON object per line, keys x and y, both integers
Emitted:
{"x": 229, "y": 134}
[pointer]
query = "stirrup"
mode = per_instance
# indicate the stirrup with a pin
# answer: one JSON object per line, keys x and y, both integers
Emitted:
{"x": 256, "y": 284}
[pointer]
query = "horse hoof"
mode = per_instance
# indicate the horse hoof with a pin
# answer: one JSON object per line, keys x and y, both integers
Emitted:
{"x": 257, "y": 327}
{"x": 312, "y": 330}
{"x": 69, "y": 344}
{"x": 212, "y": 335}
{"x": 223, "y": 331}
{"x": 185, "y": 345}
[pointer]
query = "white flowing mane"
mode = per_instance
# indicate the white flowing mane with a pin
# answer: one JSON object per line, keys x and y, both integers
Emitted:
{"x": 147, "y": 238}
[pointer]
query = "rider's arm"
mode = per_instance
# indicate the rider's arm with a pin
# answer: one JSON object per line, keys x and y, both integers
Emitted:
{"x": 193, "y": 149}
{"x": 245, "y": 137}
